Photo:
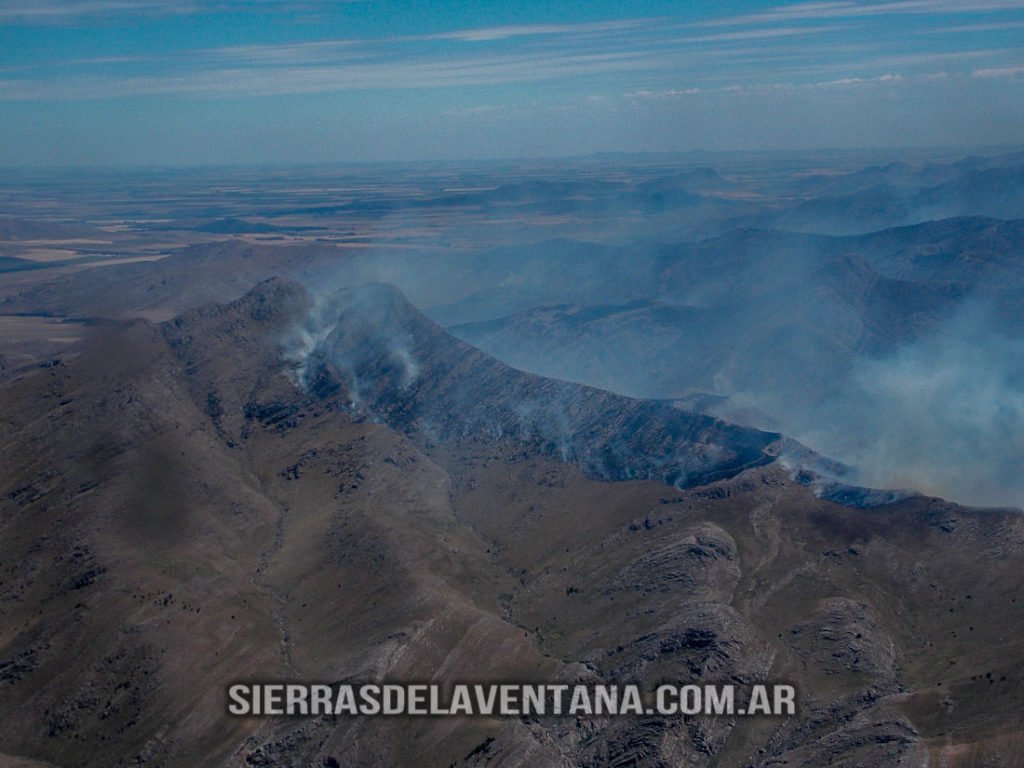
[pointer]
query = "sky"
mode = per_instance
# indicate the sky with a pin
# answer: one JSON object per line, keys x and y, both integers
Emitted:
{"x": 186, "y": 82}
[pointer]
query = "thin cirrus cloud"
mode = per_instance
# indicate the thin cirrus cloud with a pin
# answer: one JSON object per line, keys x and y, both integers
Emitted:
{"x": 192, "y": 81}
{"x": 766, "y": 88}
{"x": 970, "y": 29}
{"x": 414, "y": 61}
{"x": 308, "y": 50}
{"x": 631, "y": 55}
{"x": 505, "y": 32}
{"x": 74, "y": 11}
{"x": 638, "y": 45}
{"x": 1014, "y": 72}
{"x": 849, "y": 9}
{"x": 56, "y": 11}
{"x": 41, "y": 11}
{"x": 369, "y": 75}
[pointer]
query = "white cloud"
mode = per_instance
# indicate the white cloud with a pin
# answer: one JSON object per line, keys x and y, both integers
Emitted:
{"x": 850, "y": 9}
{"x": 998, "y": 26}
{"x": 69, "y": 11}
{"x": 668, "y": 93}
{"x": 999, "y": 72}
{"x": 488, "y": 34}
{"x": 759, "y": 34}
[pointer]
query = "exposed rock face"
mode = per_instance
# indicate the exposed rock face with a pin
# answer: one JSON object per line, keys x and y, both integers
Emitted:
{"x": 704, "y": 561}
{"x": 177, "y": 514}
{"x": 843, "y": 636}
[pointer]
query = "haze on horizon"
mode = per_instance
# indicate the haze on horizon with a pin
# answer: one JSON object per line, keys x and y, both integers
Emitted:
{"x": 142, "y": 82}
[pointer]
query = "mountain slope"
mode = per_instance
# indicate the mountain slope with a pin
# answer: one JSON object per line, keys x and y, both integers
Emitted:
{"x": 415, "y": 377}
{"x": 178, "y": 514}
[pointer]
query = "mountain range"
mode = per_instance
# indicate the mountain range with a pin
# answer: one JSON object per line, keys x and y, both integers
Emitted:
{"x": 334, "y": 488}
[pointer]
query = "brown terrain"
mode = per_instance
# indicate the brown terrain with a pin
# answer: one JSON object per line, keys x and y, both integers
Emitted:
{"x": 189, "y": 503}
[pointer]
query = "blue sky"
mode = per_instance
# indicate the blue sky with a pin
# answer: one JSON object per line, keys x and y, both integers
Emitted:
{"x": 124, "y": 82}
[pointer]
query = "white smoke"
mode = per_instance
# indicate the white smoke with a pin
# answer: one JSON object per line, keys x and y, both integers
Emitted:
{"x": 944, "y": 416}
{"x": 351, "y": 329}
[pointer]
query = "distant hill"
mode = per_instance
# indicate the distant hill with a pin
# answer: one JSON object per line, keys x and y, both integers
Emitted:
{"x": 990, "y": 192}
{"x": 12, "y": 228}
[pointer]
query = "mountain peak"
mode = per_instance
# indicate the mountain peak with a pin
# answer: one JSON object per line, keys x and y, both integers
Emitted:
{"x": 400, "y": 367}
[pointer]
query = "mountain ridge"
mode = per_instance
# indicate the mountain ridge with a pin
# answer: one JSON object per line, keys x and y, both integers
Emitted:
{"x": 315, "y": 542}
